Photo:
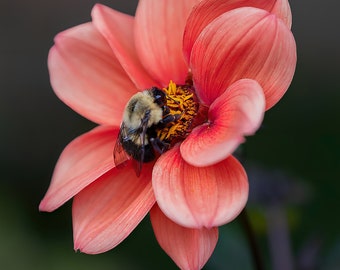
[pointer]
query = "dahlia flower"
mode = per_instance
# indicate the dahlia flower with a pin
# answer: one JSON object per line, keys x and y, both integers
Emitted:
{"x": 239, "y": 56}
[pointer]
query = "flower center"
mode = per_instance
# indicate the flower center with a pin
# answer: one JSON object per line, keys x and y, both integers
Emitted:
{"x": 180, "y": 100}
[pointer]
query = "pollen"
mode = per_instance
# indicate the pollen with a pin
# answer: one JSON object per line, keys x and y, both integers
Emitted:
{"x": 180, "y": 101}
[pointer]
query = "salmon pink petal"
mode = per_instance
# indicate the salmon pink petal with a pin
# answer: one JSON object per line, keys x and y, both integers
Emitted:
{"x": 238, "y": 112}
{"x": 86, "y": 75}
{"x": 84, "y": 160}
{"x": 158, "y": 38}
{"x": 253, "y": 44}
{"x": 109, "y": 209}
{"x": 197, "y": 197}
{"x": 282, "y": 10}
{"x": 206, "y": 11}
{"x": 190, "y": 249}
{"x": 117, "y": 28}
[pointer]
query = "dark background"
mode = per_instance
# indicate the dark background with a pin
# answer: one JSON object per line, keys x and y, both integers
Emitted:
{"x": 293, "y": 161}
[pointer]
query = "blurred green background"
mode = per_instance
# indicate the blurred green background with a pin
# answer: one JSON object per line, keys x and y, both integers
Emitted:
{"x": 293, "y": 161}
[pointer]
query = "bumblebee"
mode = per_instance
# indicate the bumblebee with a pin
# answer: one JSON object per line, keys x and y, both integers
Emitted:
{"x": 137, "y": 139}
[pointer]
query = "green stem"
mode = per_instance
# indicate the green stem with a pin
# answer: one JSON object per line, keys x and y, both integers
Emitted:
{"x": 258, "y": 262}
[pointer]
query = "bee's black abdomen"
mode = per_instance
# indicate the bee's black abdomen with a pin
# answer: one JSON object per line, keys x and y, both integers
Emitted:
{"x": 135, "y": 151}
{"x": 149, "y": 154}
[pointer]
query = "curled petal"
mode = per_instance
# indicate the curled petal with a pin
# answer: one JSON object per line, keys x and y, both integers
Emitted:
{"x": 238, "y": 112}
{"x": 86, "y": 75}
{"x": 206, "y": 11}
{"x": 84, "y": 160}
{"x": 253, "y": 44}
{"x": 117, "y": 28}
{"x": 283, "y": 11}
{"x": 190, "y": 249}
{"x": 109, "y": 209}
{"x": 197, "y": 197}
{"x": 158, "y": 37}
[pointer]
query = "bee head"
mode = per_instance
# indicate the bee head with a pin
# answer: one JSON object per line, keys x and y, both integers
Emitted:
{"x": 159, "y": 96}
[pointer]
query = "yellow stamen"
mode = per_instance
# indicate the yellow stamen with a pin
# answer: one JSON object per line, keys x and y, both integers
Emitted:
{"x": 180, "y": 101}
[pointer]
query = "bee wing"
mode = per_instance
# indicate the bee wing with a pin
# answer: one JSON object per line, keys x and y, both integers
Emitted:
{"x": 137, "y": 164}
{"x": 120, "y": 157}
{"x": 119, "y": 154}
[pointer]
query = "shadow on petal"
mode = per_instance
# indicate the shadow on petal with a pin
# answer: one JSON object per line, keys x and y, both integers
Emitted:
{"x": 238, "y": 112}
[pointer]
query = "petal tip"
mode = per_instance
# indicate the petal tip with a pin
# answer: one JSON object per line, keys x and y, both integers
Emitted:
{"x": 47, "y": 205}
{"x": 42, "y": 207}
{"x": 96, "y": 8}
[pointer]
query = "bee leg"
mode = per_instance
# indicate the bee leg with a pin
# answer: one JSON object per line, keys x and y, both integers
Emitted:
{"x": 166, "y": 110}
{"x": 159, "y": 145}
{"x": 170, "y": 118}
